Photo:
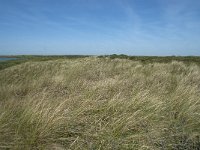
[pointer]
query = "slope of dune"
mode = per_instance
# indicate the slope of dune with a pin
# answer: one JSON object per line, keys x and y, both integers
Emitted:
{"x": 100, "y": 103}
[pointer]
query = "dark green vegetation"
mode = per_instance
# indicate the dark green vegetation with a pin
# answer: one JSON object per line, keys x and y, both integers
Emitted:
{"x": 159, "y": 59}
{"x": 142, "y": 59}
{"x": 34, "y": 58}
{"x": 57, "y": 103}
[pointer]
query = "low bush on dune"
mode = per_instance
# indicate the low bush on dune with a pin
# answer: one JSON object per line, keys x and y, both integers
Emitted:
{"x": 100, "y": 103}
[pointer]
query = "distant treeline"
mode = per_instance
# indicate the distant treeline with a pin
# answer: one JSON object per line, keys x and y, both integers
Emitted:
{"x": 159, "y": 59}
{"x": 48, "y": 57}
{"x": 32, "y": 58}
{"x": 143, "y": 59}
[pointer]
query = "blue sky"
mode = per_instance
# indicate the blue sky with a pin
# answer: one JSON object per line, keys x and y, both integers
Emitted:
{"x": 133, "y": 27}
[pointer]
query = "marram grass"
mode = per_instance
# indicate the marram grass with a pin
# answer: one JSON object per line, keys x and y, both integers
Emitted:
{"x": 100, "y": 103}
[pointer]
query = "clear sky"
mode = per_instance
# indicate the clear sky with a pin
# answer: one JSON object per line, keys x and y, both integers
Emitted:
{"x": 133, "y": 27}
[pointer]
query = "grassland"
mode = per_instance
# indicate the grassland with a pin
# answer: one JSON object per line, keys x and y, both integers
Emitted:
{"x": 100, "y": 103}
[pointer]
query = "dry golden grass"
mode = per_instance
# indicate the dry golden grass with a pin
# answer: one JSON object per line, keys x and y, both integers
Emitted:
{"x": 99, "y": 103}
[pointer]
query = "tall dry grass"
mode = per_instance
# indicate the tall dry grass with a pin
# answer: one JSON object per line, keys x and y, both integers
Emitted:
{"x": 94, "y": 103}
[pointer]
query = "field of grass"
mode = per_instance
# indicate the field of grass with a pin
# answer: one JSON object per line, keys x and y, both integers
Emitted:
{"x": 99, "y": 103}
